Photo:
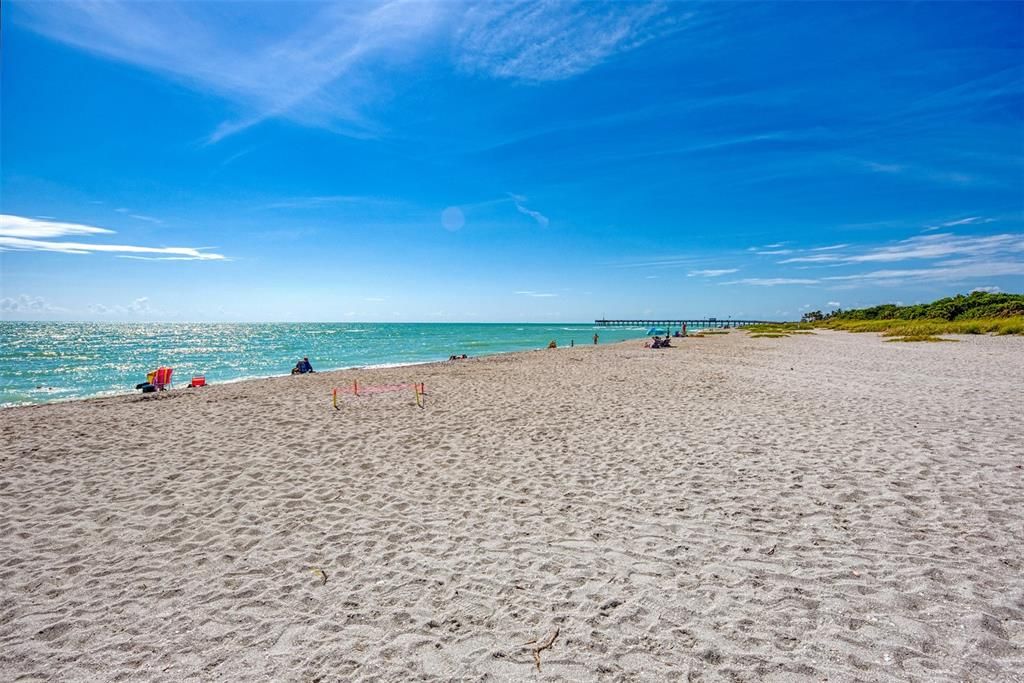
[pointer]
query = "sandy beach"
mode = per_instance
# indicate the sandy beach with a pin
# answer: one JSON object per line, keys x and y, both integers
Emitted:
{"x": 822, "y": 507}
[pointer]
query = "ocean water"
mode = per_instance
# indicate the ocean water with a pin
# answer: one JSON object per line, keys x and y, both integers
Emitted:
{"x": 43, "y": 362}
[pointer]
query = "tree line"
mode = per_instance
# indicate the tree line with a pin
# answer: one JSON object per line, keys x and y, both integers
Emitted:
{"x": 973, "y": 306}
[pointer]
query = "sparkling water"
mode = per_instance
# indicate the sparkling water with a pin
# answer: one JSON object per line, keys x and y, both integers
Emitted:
{"x": 41, "y": 362}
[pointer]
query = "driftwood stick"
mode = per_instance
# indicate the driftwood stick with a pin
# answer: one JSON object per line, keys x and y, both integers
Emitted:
{"x": 537, "y": 650}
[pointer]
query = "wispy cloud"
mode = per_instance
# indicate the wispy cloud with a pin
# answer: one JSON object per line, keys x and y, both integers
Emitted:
{"x": 954, "y": 258}
{"x": 536, "y": 42}
{"x": 942, "y": 245}
{"x": 934, "y": 246}
{"x": 309, "y": 74}
{"x": 813, "y": 258}
{"x": 918, "y": 172}
{"x": 539, "y": 295}
{"x": 712, "y": 272}
{"x": 938, "y": 273}
{"x": 18, "y": 233}
{"x": 772, "y": 281}
{"x": 314, "y": 67}
{"x": 970, "y": 220}
{"x": 991, "y": 289}
{"x": 31, "y": 228}
{"x": 662, "y": 262}
{"x": 518, "y": 200}
{"x": 776, "y": 249}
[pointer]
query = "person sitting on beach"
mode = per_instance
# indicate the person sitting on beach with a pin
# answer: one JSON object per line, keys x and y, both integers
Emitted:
{"x": 656, "y": 344}
{"x": 302, "y": 367}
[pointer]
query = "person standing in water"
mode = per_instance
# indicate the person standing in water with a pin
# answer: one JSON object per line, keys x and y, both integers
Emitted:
{"x": 595, "y": 338}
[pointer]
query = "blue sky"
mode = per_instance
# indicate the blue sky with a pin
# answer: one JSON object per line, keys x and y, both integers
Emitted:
{"x": 500, "y": 161}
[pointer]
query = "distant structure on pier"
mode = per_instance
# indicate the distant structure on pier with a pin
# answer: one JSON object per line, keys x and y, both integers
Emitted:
{"x": 694, "y": 324}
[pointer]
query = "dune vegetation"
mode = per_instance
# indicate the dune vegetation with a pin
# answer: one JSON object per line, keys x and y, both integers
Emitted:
{"x": 974, "y": 313}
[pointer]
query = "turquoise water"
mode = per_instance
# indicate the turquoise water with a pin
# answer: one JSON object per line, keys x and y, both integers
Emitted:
{"x": 42, "y": 362}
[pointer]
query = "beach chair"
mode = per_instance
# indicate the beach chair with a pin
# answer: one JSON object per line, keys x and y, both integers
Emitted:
{"x": 162, "y": 378}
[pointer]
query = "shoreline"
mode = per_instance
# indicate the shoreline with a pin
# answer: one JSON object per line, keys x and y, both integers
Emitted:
{"x": 378, "y": 366}
{"x": 39, "y": 371}
{"x": 820, "y": 506}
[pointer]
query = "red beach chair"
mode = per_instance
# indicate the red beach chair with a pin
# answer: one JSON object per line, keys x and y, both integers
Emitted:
{"x": 162, "y": 378}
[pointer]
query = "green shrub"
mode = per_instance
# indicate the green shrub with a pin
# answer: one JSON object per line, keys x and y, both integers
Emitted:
{"x": 920, "y": 338}
{"x": 974, "y": 306}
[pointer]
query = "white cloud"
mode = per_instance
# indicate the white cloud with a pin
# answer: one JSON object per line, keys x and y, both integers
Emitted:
{"x": 940, "y": 273}
{"x": 536, "y": 42}
{"x": 18, "y": 233}
{"x": 661, "y": 262}
{"x": 31, "y": 228}
{"x": 25, "y": 304}
{"x": 329, "y": 64}
{"x": 541, "y": 295}
{"x": 139, "y": 306}
{"x": 942, "y": 245}
{"x": 954, "y": 258}
{"x": 541, "y": 219}
{"x": 836, "y": 304}
{"x": 712, "y": 272}
{"x": 970, "y": 220}
{"x": 991, "y": 290}
{"x": 817, "y": 258}
{"x": 772, "y": 281}
{"x": 884, "y": 168}
{"x": 924, "y": 173}
{"x": 173, "y": 253}
{"x": 281, "y": 66}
